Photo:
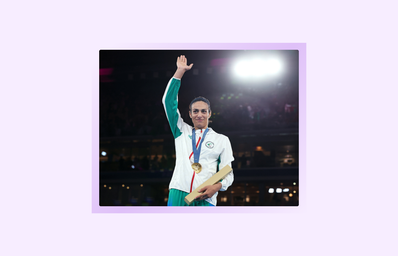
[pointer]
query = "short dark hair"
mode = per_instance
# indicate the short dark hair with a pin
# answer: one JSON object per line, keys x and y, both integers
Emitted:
{"x": 200, "y": 98}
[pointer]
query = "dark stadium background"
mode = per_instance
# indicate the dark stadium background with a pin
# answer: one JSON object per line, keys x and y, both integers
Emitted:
{"x": 260, "y": 117}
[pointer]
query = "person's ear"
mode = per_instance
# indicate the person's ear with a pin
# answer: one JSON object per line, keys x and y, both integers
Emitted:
{"x": 190, "y": 113}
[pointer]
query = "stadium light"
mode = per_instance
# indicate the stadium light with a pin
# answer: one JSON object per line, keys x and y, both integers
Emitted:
{"x": 103, "y": 153}
{"x": 273, "y": 66}
{"x": 257, "y": 68}
{"x": 242, "y": 68}
{"x": 278, "y": 190}
{"x": 271, "y": 190}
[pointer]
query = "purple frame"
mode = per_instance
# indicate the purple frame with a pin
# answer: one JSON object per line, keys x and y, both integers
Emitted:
{"x": 301, "y": 47}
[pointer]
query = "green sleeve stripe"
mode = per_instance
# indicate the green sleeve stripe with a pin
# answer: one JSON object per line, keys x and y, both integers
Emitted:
{"x": 171, "y": 106}
{"x": 218, "y": 165}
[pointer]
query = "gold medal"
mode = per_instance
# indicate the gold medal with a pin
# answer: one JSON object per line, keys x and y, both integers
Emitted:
{"x": 197, "y": 167}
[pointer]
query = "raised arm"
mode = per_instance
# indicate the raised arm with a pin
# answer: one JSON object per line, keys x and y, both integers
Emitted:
{"x": 170, "y": 97}
{"x": 182, "y": 67}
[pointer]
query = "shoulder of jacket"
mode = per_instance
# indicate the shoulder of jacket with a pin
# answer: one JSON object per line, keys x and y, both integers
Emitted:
{"x": 219, "y": 135}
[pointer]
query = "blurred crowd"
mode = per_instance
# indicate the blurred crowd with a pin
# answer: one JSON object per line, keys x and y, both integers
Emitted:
{"x": 132, "y": 113}
{"x": 167, "y": 162}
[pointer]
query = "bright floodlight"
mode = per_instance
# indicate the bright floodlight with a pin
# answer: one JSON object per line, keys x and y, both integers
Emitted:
{"x": 103, "y": 153}
{"x": 273, "y": 66}
{"x": 271, "y": 190}
{"x": 278, "y": 190}
{"x": 242, "y": 68}
{"x": 285, "y": 190}
{"x": 257, "y": 68}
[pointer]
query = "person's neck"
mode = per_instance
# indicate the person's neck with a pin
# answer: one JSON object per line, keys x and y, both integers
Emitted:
{"x": 196, "y": 128}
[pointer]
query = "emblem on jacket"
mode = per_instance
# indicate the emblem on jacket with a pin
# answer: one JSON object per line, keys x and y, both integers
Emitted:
{"x": 209, "y": 144}
{"x": 190, "y": 137}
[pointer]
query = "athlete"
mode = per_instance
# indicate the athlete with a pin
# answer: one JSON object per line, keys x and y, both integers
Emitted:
{"x": 200, "y": 151}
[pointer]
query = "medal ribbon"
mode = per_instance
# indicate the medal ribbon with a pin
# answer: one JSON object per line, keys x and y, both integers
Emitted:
{"x": 196, "y": 151}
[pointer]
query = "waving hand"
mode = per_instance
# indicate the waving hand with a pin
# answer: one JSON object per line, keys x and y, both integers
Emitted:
{"x": 182, "y": 66}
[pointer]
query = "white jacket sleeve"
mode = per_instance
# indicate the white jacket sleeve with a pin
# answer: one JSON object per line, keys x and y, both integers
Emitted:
{"x": 226, "y": 158}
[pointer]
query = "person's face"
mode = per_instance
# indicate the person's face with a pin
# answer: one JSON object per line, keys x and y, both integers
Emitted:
{"x": 200, "y": 114}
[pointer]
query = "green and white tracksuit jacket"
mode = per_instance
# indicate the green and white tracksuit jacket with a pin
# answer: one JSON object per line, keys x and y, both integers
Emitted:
{"x": 216, "y": 151}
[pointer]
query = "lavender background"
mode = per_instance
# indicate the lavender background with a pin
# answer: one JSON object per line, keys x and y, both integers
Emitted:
{"x": 49, "y": 60}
